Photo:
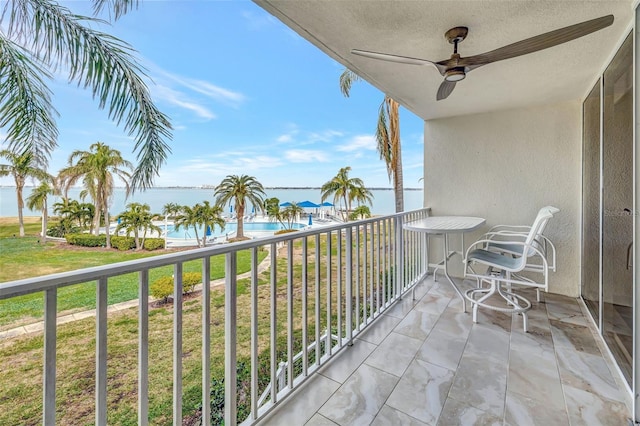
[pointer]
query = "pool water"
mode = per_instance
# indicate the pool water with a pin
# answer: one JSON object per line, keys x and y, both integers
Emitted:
{"x": 189, "y": 232}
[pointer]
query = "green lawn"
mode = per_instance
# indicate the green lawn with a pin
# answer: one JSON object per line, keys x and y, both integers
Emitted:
{"x": 25, "y": 257}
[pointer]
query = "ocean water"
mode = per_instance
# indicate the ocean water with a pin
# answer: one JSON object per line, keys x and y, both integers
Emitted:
{"x": 383, "y": 201}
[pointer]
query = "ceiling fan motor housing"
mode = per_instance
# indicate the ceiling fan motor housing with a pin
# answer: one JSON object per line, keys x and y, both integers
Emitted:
{"x": 455, "y": 74}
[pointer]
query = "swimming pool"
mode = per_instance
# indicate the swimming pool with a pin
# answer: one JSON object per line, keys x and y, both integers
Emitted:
{"x": 189, "y": 232}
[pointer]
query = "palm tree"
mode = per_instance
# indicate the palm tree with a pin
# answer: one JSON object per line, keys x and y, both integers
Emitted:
{"x": 137, "y": 217}
{"x": 97, "y": 168}
{"x": 360, "y": 212}
{"x": 387, "y": 136}
{"x": 290, "y": 213}
{"x": 200, "y": 216}
{"x": 40, "y": 38}
{"x": 209, "y": 216}
{"x": 346, "y": 189}
{"x": 21, "y": 166}
{"x": 171, "y": 210}
{"x": 38, "y": 201}
{"x": 240, "y": 190}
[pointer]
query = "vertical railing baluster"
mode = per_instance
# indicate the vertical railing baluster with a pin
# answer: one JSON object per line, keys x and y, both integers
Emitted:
{"x": 328, "y": 349}
{"x": 206, "y": 341}
{"x": 372, "y": 303}
{"x": 273, "y": 288}
{"x": 305, "y": 338}
{"x": 385, "y": 263}
{"x": 399, "y": 255}
{"x": 230, "y": 338}
{"x": 365, "y": 267}
{"x": 177, "y": 344}
{"x": 357, "y": 280}
{"x": 143, "y": 348}
{"x": 377, "y": 271}
{"x": 339, "y": 286}
{"x": 101, "y": 351}
{"x": 290, "y": 314}
{"x": 317, "y": 302}
{"x": 348, "y": 284}
{"x": 49, "y": 367}
{"x": 254, "y": 333}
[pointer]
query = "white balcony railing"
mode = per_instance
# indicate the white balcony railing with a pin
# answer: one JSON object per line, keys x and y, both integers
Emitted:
{"x": 337, "y": 280}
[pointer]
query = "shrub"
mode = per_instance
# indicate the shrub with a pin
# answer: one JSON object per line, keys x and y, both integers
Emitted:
{"x": 86, "y": 240}
{"x": 154, "y": 243}
{"x": 123, "y": 243}
{"x": 60, "y": 230}
{"x": 190, "y": 280}
{"x": 162, "y": 288}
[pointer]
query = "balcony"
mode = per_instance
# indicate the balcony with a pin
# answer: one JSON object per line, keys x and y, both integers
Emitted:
{"x": 344, "y": 325}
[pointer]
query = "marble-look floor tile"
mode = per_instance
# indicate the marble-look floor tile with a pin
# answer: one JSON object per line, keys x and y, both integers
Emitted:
{"x": 348, "y": 361}
{"x": 380, "y": 329}
{"x": 303, "y": 405}
{"x": 481, "y": 383}
{"x": 535, "y": 377}
{"x": 568, "y": 311}
{"x": 422, "y": 391}
{"x": 359, "y": 399}
{"x": 455, "y": 322}
{"x": 573, "y": 336}
{"x": 493, "y": 320}
{"x": 433, "y": 303}
{"x": 394, "y": 354}
{"x": 456, "y": 413}
{"x": 489, "y": 343}
{"x": 587, "y": 372}
{"x": 388, "y": 416}
{"x": 417, "y": 324}
{"x": 536, "y": 340}
{"x": 319, "y": 420}
{"x": 442, "y": 349}
{"x": 402, "y": 307}
{"x": 523, "y": 411}
{"x": 586, "y": 408}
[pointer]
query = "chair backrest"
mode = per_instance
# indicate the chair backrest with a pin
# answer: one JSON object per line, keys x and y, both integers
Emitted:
{"x": 538, "y": 226}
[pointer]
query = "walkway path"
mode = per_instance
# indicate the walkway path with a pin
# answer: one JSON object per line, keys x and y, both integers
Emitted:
{"x": 63, "y": 319}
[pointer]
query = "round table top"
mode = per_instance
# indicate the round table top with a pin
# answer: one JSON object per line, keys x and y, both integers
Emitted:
{"x": 445, "y": 224}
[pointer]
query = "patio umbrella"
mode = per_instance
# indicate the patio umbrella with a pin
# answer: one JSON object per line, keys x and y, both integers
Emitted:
{"x": 310, "y": 219}
{"x": 326, "y": 204}
{"x": 287, "y": 204}
{"x": 308, "y": 204}
{"x": 208, "y": 233}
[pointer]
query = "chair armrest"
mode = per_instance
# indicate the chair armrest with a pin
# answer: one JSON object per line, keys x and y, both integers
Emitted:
{"x": 513, "y": 228}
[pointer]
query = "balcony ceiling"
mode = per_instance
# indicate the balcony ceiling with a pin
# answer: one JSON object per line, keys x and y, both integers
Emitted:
{"x": 416, "y": 29}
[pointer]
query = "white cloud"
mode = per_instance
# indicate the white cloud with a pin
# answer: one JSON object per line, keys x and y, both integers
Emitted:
{"x": 205, "y": 88}
{"x": 359, "y": 143}
{"x": 181, "y": 100}
{"x": 305, "y": 156}
{"x": 287, "y": 137}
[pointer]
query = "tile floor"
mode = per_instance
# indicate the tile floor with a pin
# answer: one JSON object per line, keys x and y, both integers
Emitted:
{"x": 424, "y": 362}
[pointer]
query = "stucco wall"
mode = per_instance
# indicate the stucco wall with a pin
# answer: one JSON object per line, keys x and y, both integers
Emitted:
{"x": 504, "y": 166}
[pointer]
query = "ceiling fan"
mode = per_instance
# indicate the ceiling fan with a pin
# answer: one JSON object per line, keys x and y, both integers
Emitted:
{"x": 456, "y": 68}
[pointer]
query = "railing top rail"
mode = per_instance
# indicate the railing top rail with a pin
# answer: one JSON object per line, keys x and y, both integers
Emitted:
{"x": 31, "y": 285}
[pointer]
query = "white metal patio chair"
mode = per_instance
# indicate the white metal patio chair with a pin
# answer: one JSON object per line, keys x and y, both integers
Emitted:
{"x": 499, "y": 235}
{"x": 505, "y": 258}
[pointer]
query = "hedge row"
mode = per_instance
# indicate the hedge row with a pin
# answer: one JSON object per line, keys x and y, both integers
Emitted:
{"x": 118, "y": 242}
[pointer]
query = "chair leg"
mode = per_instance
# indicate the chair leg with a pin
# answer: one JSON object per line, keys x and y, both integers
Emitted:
{"x": 538, "y": 295}
{"x": 524, "y": 320}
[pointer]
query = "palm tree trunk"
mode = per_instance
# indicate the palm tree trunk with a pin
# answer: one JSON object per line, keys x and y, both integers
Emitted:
{"x": 45, "y": 219}
{"x": 106, "y": 226}
{"x": 240, "y": 213}
{"x": 347, "y": 206}
{"x": 19, "y": 187}
{"x": 396, "y": 154}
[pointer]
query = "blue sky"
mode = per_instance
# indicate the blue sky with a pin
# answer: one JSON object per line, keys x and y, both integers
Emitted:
{"x": 245, "y": 94}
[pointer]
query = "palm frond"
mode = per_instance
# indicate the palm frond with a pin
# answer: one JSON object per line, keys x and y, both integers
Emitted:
{"x": 346, "y": 81}
{"x": 117, "y": 7}
{"x": 26, "y": 110}
{"x": 102, "y": 63}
